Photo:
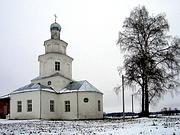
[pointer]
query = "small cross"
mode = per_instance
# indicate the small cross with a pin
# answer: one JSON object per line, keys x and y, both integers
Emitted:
{"x": 55, "y": 17}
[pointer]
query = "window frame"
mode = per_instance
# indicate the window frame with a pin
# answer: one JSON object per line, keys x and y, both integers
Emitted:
{"x": 86, "y": 100}
{"x": 51, "y": 106}
{"x": 49, "y": 83}
{"x": 67, "y": 106}
{"x": 99, "y": 105}
{"x": 57, "y": 66}
{"x": 19, "y": 106}
{"x": 29, "y": 105}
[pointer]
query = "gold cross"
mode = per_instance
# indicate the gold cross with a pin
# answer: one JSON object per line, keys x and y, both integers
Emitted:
{"x": 55, "y": 17}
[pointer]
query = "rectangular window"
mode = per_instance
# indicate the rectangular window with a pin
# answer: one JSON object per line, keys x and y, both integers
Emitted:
{"x": 29, "y": 105}
{"x": 99, "y": 105}
{"x": 19, "y": 106}
{"x": 57, "y": 66}
{"x": 51, "y": 105}
{"x": 67, "y": 106}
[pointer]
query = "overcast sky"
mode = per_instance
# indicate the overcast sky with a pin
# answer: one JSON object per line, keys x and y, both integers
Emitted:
{"x": 91, "y": 29}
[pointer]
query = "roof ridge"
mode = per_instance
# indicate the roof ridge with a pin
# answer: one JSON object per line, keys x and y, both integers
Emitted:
{"x": 33, "y": 87}
{"x": 83, "y": 85}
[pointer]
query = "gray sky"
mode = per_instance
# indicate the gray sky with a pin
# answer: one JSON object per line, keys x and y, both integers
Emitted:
{"x": 89, "y": 26}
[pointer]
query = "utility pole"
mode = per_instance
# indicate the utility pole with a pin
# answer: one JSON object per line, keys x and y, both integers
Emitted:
{"x": 123, "y": 97}
{"x": 132, "y": 106}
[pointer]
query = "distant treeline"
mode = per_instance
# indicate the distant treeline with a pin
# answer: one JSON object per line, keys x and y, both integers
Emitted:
{"x": 164, "y": 113}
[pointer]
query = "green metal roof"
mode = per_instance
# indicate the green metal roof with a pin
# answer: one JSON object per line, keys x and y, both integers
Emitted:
{"x": 55, "y": 26}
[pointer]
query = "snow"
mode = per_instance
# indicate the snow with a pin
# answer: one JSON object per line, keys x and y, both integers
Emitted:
{"x": 78, "y": 86}
{"x": 33, "y": 87}
{"x": 138, "y": 126}
{"x": 5, "y": 96}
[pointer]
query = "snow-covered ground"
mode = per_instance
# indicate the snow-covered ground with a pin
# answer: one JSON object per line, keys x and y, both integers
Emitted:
{"x": 138, "y": 126}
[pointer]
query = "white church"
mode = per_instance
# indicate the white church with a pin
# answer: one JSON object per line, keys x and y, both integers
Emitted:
{"x": 54, "y": 94}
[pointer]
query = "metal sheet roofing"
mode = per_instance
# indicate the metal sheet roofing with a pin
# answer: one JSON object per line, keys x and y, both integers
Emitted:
{"x": 74, "y": 86}
{"x": 33, "y": 87}
{"x": 79, "y": 86}
{"x": 5, "y": 96}
{"x": 53, "y": 75}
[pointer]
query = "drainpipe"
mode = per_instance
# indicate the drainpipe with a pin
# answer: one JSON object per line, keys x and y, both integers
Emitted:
{"x": 10, "y": 106}
{"x": 77, "y": 104}
{"x": 40, "y": 104}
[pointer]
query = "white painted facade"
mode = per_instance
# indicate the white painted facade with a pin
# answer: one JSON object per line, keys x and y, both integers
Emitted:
{"x": 57, "y": 81}
{"x": 55, "y": 51}
{"x": 23, "y": 97}
{"x": 41, "y": 105}
{"x": 80, "y": 109}
{"x": 54, "y": 95}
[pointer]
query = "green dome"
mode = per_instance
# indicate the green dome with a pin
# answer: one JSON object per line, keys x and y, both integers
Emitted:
{"x": 55, "y": 26}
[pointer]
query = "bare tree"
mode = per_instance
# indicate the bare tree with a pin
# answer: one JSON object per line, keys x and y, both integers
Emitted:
{"x": 151, "y": 57}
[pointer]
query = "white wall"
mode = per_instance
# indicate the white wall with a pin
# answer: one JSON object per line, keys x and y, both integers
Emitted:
{"x": 87, "y": 110}
{"x": 34, "y": 96}
{"x": 45, "y": 105}
{"x": 57, "y": 82}
{"x": 55, "y": 46}
{"x": 47, "y": 64}
{"x": 73, "y": 106}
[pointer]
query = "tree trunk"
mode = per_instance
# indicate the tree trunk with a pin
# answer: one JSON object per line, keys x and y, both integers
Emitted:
{"x": 145, "y": 99}
{"x": 146, "y": 112}
{"x": 142, "y": 101}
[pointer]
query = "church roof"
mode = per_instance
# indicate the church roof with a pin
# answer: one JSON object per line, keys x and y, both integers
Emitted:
{"x": 79, "y": 86}
{"x": 55, "y": 26}
{"x": 53, "y": 75}
{"x": 33, "y": 87}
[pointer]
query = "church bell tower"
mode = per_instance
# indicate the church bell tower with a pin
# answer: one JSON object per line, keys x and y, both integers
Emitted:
{"x": 55, "y": 66}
